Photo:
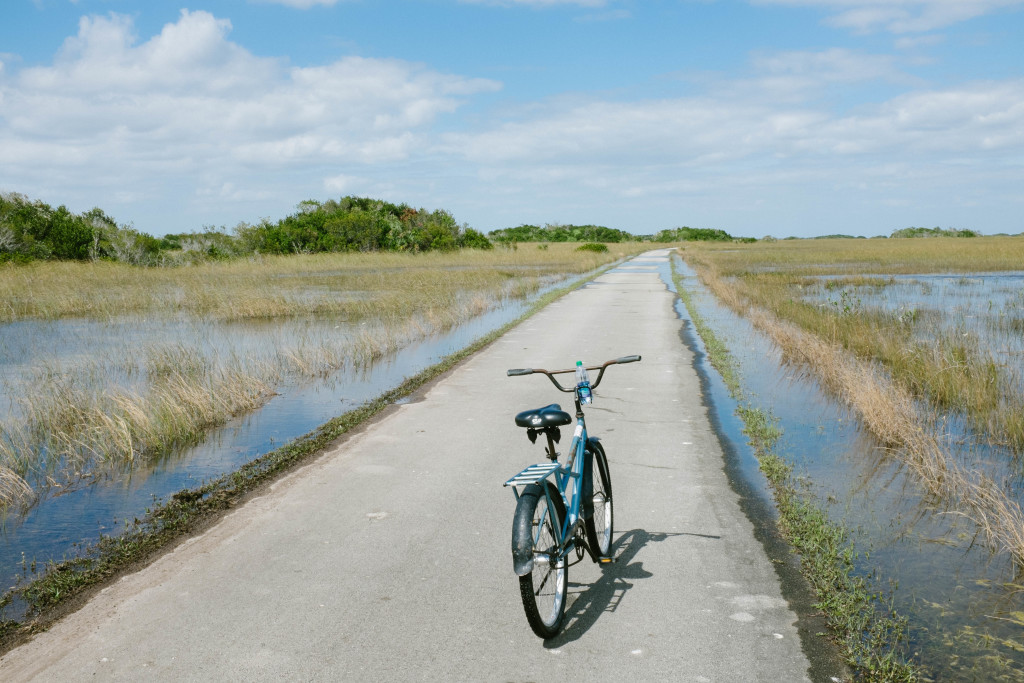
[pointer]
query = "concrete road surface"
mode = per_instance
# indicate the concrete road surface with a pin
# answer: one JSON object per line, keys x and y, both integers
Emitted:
{"x": 388, "y": 558}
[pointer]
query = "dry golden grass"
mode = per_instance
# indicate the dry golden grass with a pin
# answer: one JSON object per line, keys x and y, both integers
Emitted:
{"x": 80, "y": 424}
{"x": 350, "y": 285}
{"x": 855, "y": 256}
{"x": 76, "y": 419}
{"x": 948, "y": 367}
{"x": 14, "y": 491}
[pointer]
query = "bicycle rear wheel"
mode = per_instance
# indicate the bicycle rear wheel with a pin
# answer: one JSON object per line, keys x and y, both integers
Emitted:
{"x": 538, "y": 523}
{"x": 601, "y": 523}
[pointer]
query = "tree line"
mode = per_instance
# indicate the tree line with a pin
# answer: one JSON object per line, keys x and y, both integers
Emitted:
{"x": 687, "y": 234}
{"x": 561, "y": 233}
{"x": 33, "y": 230}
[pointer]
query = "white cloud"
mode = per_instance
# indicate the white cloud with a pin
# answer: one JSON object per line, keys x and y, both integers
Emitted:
{"x": 189, "y": 117}
{"x": 795, "y": 76}
{"x": 827, "y": 67}
{"x": 772, "y": 112}
{"x": 713, "y": 157}
{"x": 190, "y": 104}
{"x": 899, "y": 16}
{"x": 341, "y": 184}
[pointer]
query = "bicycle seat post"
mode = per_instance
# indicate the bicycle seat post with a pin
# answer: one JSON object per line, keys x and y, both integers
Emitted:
{"x": 552, "y": 454}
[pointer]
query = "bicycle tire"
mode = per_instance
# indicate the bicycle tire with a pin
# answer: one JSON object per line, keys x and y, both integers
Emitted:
{"x": 600, "y": 525}
{"x": 545, "y": 588}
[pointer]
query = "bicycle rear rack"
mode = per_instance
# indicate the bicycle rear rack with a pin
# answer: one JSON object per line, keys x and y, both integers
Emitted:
{"x": 532, "y": 474}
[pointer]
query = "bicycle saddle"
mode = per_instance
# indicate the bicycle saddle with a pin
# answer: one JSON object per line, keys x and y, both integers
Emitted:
{"x": 541, "y": 418}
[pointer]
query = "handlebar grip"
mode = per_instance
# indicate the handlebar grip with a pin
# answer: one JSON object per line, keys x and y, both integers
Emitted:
{"x": 628, "y": 359}
{"x": 520, "y": 371}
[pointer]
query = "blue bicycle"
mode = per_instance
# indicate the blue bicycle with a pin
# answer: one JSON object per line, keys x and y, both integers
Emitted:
{"x": 572, "y": 514}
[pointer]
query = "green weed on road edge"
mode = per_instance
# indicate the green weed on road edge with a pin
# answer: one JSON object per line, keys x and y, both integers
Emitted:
{"x": 190, "y": 510}
{"x": 869, "y": 632}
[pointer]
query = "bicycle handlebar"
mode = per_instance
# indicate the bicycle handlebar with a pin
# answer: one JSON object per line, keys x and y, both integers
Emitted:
{"x": 529, "y": 371}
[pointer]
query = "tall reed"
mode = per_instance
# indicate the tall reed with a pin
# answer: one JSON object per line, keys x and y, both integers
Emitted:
{"x": 14, "y": 491}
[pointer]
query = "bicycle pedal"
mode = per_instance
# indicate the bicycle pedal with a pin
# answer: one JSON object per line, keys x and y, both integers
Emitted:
{"x": 606, "y": 560}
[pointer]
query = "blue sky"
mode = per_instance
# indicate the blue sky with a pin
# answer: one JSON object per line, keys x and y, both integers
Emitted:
{"x": 759, "y": 117}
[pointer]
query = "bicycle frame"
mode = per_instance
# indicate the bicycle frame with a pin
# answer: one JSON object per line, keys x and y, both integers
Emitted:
{"x": 573, "y": 472}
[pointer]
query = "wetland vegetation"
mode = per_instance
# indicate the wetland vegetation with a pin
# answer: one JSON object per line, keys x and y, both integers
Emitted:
{"x": 109, "y": 369}
{"x": 106, "y": 365}
{"x": 109, "y": 366}
{"x": 916, "y": 340}
{"x": 870, "y": 635}
{"x": 114, "y": 374}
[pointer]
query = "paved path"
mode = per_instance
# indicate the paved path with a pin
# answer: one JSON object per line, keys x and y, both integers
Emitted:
{"x": 389, "y": 557}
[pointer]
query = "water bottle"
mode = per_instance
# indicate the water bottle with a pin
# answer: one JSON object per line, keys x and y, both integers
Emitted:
{"x": 583, "y": 383}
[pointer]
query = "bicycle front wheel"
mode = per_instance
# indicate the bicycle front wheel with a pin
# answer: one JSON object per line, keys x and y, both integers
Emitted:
{"x": 601, "y": 523}
{"x": 538, "y": 522}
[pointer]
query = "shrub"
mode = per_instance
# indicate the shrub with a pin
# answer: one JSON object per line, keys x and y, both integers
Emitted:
{"x": 686, "y": 234}
{"x": 471, "y": 239}
{"x": 933, "y": 232}
{"x": 593, "y": 246}
{"x": 36, "y": 230}
{"x": 560, "y": 233}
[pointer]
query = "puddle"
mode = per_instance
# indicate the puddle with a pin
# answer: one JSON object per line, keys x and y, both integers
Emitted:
{"x": 963, "y": 608}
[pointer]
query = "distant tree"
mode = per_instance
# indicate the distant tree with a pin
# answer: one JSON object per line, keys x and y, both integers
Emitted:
{"x": 560, "y": 233}
{"x": 933, "y": 232}
{"x": 70, "y": 236}
{"x": 354, "y": 224}
{"x": 34, "y": 230}
{"x": 688, "y": 234}
{"x": 471, "y": 239}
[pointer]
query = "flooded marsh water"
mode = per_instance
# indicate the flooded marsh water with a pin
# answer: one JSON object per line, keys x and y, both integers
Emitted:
{"x": 964, "y": 604}
{"x": 72, "y": 506}
{"x": 984, "y": 309}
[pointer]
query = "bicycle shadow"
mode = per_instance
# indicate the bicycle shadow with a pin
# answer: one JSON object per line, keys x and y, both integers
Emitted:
{"x": 605, "y": 594}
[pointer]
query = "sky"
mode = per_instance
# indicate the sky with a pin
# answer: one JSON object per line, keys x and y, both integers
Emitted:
{"x": 758, "y": 117}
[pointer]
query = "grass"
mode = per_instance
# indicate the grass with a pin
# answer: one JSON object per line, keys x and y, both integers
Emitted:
{"x": 947, "y": 366}
{"x": 869, "y": 632}
{"x": 188, "y": 510}
{"x": 834, "y": 343}
{"x": 132, "y": 402}
{"x": 856, "y": 257}
{"x": 14, "y": 488}
{"x": 354, "y": 286}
